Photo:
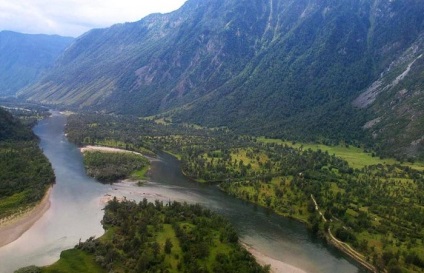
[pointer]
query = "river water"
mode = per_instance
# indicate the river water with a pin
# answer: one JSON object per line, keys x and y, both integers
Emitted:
{"x": 77, "y": 202}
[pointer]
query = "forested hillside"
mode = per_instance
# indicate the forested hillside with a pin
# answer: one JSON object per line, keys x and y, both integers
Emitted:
{"x": 282, "y": 68}
{"x": 25, "y": 171}
{"x": 24, "y": 58}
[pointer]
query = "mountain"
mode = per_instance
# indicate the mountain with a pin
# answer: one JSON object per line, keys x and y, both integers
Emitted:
{"x": 297, "y": 69}
{"x": 397, "y": 103}
{"x": 25, "y": 57}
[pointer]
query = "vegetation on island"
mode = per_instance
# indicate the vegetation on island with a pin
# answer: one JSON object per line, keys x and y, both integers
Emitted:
{"x": 374, "y": 205}
{"x": 25, "y": 172}
{"x": 157, "y": 237}
{"x": 109, "y": 167}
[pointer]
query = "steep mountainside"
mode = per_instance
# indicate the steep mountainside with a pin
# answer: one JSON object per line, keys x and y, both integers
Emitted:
{"x": 24, "y": 57}
{"x": 287, "y": 68}
{"x": 397, "y": 103}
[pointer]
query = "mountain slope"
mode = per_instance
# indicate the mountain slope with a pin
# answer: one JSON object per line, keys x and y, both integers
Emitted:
{"x": 281, "y": 67}
{"x": 25, "y": 57}
{"x": 397, "y": 103}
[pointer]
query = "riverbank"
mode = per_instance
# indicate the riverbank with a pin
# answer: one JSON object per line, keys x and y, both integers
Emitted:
{"x": 89, "y": 148}
{"x": 13, "y": 227}
{"x": 345, "y": 248}
{"x": 348, "y": 250}
{"x": 276, "y": 266}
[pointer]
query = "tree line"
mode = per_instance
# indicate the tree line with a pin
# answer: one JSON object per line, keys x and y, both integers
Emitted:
{"x": 378, "y": 209}
{"x": 25, "y": 172}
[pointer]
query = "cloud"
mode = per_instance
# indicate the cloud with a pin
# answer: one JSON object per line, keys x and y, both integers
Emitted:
{"x": 74, "y": 17}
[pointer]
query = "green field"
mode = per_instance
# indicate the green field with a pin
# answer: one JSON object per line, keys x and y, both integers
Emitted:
{"x": 74, "y": 260}
{"x": 356, "y": 157}
{"x": 11, "y": 204}
{"x": 140, "y": 174}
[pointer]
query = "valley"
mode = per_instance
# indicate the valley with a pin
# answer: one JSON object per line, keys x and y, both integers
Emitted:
{"x": 355, "y": 191}
{"x": 283, "y": 69}
{"x": 78, "y": 199}
{"x": 299, "y": 121}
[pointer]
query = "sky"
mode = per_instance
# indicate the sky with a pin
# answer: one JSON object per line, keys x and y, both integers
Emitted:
{"x": 74, "y": 17}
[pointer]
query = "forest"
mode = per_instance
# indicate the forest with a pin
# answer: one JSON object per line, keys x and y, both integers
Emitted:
{"x": 25, "y": 172}
{"x": 375, "y": 205}
{"x": 109, "y": 167}
{"x": 158, "y": 237}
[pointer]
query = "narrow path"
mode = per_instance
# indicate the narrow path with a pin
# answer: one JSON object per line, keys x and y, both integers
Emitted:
{"x": 346, "y": 248}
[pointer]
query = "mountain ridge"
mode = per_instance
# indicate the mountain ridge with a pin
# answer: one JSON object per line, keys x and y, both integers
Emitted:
{"x": 25, "y": 57}
{"x": 280, "y": 68}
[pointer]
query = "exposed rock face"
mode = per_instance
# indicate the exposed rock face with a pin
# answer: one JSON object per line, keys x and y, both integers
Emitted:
{"x": 287, "y": 68}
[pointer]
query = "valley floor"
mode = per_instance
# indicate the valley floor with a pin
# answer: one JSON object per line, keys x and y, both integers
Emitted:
{"x": 276, "y": 266}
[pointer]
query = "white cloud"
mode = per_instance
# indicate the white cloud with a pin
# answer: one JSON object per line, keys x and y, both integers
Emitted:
{"x": 74, "y": 17}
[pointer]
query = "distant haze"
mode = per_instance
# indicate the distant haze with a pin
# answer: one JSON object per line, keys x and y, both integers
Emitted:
{"x": 74, "y": 17}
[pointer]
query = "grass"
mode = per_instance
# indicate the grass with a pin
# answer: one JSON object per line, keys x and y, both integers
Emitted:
{"x": 11, "y": 204}
{"x": 241, "y": 154}
{"x": 74, "y": 260}
{"x": 177, "y": 156}
{"x": 217, "y": 248}
{"x": 108, "y": 235}
{"x": 140, "y": 174}
{"x": 356, "y": 157}
{"x": 170, "y": 259}
{"x": 283, "y": 205}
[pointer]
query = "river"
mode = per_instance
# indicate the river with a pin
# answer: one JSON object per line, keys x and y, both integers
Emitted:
{"x": 76, "y": 211}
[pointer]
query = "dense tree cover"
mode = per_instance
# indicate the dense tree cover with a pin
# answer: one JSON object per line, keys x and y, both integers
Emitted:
{"x": 378, "y": 209}
{"x": 172, "y": 237}
{"x": 141, "y": 135}
{"x": 25, "y": 171}
{"x": 281, "y": 68}
{"x": 12, "y": 129}
{"x": 108, "y": 167}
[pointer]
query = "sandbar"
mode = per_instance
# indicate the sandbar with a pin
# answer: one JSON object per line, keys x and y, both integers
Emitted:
{"x": 90, "y": 148}
{"x": 276, "y": 265}
{"x": 11, "y": 228}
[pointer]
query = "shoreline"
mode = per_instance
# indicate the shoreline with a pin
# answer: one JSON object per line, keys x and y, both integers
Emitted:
{"x": 345, "y": 248}
{"x": 13, "y": 227}
{"x": 342, "y": 246}
{"x": 90, "y": 148}
{"x": 276, "y": 266}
